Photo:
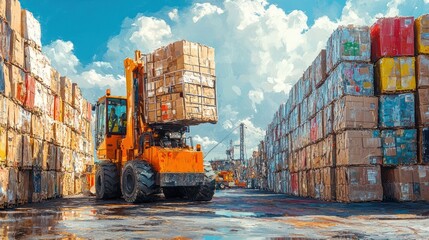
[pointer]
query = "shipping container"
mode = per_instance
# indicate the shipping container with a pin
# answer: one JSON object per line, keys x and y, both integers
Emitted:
{"x": 395, "y": 74}
{"x": 397, "y": 110}
{"x": 392, "y": 37}
{"x": 399, "y": 146}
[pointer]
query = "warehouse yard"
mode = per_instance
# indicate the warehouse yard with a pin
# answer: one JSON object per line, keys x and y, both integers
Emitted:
{"x": 234, "y": 213}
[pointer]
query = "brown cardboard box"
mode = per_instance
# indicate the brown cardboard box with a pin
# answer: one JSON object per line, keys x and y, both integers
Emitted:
{"x": 13, "y": 15}
{"x": 27, "y": 152}
{"x": 422, "y": 71}
{"x": 4, "y": 110}
{"x": 66, "y": 90}
{"x": 303, "y": 191}
{"x": 358, "y": 147}
{"x": 17, "y": 49}
{"x": 423, "y": 107}
{"x": 36, "y": 129}
{"x": 328, "y": 182}
{"x": 355, "y": 112}
{"x": 14, "y": 149}
{"x": 328, "y": 152}
{"x": 37, "y": 146}
{"x": 23, "y": 186}
{"x": 358, "y": 184}
{"x": 401, "y": 183}
{"x": 3, "y": 9}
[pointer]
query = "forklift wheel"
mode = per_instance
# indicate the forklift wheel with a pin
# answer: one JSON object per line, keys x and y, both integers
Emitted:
{"x": 205, "y": 191}
{"x": 138, "y": 181}
{"x": 107, "y": 181}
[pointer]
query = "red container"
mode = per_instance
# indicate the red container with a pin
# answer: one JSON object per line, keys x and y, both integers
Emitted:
{"x": 392, "y": 37}
{"x": 30, "y": 85}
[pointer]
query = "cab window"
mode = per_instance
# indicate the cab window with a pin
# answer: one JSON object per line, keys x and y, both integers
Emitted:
{"x": 116, "y": 116}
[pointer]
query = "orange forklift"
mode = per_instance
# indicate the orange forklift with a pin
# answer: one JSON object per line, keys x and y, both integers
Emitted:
{"x": 137, "y": 159}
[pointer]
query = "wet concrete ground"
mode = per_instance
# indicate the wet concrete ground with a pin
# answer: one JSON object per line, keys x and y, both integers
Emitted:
{"x": 233, "y": 214}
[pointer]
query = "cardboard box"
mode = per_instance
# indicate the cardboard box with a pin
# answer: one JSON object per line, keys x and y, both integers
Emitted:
{"x": 327, "y": 188}
{"x": 17, "y": 49}
{"x": 397, "y": 110}
{"x": 395, "y": 74}
{"x": 358, "y": 184}
{"x": 27, "y": 152}
{"x": 406, "y": 183}
{"x": 353, "y": 112}
{"x": 23, "y": 192}
{"x": 31, "y": 28}
{"x": 13, "y": 14}
{"x": 392, "y": 37}
{"x": 423, "y": 107}
{"x": 14, "y": 149}
{"x": 399, "y": 146}
{"x": 3, "y": 146}
{"x": 422, "y": 71}
{"x": 422, "y": 33}
{"x": 348, "y": 43}
{"x": 358, "y": 147}
{"x": 5, "y": 40}
{"x": 328, "y": 152}
{"x": 37, "y": 155}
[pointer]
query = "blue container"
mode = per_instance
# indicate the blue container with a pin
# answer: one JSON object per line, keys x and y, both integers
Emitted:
{"x": 399, "y": 146}
{"x": 350, "y": 78}
{"x": 397, "y": 110}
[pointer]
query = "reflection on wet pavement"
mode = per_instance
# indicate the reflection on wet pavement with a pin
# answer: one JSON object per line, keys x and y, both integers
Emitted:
{"x": 233, "y": 214}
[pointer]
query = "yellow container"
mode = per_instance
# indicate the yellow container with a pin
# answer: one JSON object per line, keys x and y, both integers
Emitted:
{"x": 422, "y": 34}
{"x": 3, "y": 144}
{"x": 396, "y": 74}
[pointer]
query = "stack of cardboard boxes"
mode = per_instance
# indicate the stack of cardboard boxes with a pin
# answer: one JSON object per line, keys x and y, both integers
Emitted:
{"x": 45, "y": 135}
{"x": 181, "y": 84}
{"x": 347, "y": 131}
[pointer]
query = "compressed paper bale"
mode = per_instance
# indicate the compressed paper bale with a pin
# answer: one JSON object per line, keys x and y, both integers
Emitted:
{"x": 399, "y": 146}
{"x": 392, "y": 37}
{"x": 397, "y": 110}
{"x": 31, "y": 28}
{"x": 395, "y": 74}
{"x": 422, "y": 34}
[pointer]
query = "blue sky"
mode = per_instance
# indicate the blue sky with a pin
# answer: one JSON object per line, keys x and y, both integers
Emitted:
{"x": 90, "y": 23}
{"x": 262, "y": 46}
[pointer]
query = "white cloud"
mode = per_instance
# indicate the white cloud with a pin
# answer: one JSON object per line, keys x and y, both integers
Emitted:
{"x": 256, "y": 96}
{"x": 174, "y": 14}
{"x": 204, "y": 141}
{"x": 201, "y": 10}
{"x": 61, "y": 54}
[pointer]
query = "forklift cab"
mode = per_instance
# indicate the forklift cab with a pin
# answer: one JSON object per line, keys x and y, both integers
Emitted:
{"x": 111, "y": 125}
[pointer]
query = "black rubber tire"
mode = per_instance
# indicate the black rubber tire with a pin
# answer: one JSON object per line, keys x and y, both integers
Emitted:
{"x": 221, "y": 186}
{"x": 205, "y": 191}
{"x": 172, "y": 192}
{"x": 107, "y": 181}
{"x": 138, "y": 182}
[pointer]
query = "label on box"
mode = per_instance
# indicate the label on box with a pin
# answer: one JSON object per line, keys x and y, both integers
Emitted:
{"x": 372, "y": 176}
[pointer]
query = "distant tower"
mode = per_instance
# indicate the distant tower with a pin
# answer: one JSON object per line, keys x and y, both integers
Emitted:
{"x": 242, "y": 142}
